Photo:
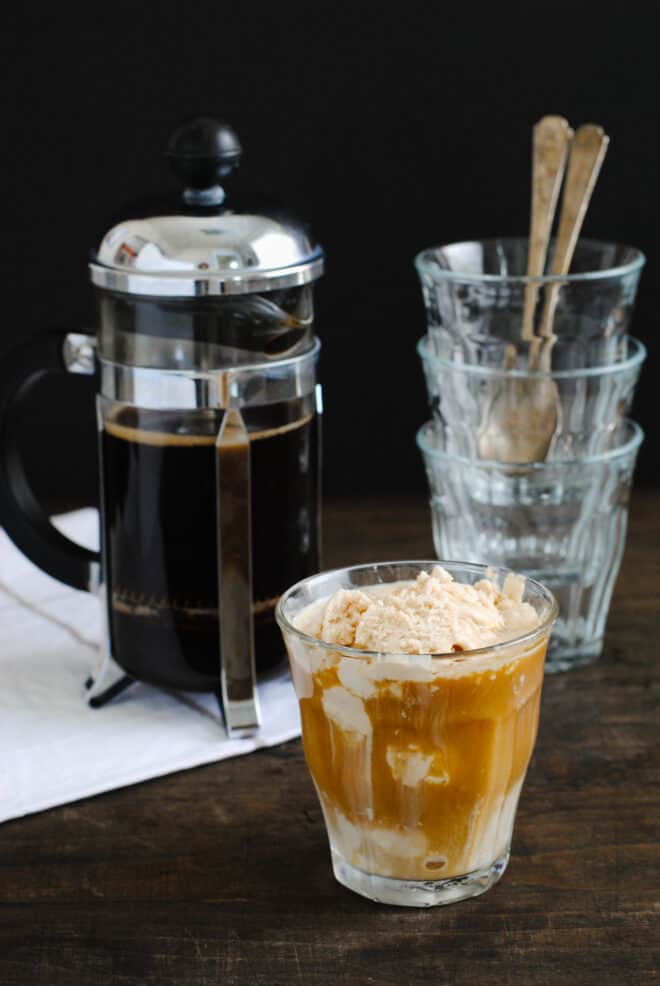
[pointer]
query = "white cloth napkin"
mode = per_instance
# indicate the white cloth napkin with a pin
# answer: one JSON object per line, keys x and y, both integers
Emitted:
{"x": 53, "y": 747}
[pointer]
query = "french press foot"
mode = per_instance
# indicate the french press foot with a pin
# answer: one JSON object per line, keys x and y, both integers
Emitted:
{"x": 98, "y": 701}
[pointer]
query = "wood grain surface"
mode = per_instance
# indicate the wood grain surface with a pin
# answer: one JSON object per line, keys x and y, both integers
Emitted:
{"x": 221, "y": 875}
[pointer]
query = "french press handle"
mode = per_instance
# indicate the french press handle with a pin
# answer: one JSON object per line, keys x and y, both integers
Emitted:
{"x": 21, "y": 514}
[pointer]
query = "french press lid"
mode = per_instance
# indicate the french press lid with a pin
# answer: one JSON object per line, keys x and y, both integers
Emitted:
{"x": 205, "y": 249}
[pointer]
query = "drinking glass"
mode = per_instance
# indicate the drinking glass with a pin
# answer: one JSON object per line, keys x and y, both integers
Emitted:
{"x": 418, "y": 760}
{"x": 475, "y": 294}
{"x": 561, "y": 522}
{"x": 590, "y": 403}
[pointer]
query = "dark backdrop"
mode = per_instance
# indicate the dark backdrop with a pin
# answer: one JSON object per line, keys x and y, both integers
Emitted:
{"x": 387, "y": 129}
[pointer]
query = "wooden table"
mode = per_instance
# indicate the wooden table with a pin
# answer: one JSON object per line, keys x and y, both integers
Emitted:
{"x": 221, "y": 875}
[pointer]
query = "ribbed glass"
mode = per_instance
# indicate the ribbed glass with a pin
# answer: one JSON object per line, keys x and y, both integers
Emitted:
{"x": 475, "y": 294}
{"x": 562, "y": 522}
{"x": 418, "y": 760}
{"x": 589, "y": 403}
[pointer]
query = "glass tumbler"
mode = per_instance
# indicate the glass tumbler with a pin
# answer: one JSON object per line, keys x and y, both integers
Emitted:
{"x": 418, "y": 760}
{"x": 476, "y": 294}
{"x": 590, "y": 403}
{"x": 561, "y": 522}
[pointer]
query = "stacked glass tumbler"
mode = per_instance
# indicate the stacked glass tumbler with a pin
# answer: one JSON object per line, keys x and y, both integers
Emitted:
{"x": 529, "y": 453}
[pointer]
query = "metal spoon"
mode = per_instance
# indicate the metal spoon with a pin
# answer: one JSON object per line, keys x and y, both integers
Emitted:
{"x": 520, "y": 416}
{"x": 587, "y": 153}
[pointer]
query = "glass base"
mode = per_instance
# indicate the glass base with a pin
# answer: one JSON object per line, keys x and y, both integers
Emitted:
{"x": 417, "y": 893}
{"x": 563, "y": 658}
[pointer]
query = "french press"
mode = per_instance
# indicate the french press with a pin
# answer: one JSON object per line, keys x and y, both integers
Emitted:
{"x": 208, "y": 421}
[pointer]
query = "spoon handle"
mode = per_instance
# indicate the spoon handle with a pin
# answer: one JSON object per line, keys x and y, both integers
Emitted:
{"x": 551, "y": 140}
{"x": 587, "y": 152}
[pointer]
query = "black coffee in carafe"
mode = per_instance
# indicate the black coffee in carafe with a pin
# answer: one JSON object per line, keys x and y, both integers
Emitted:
{"x": 208, "y": 421}
{"x": 160, "y": 533}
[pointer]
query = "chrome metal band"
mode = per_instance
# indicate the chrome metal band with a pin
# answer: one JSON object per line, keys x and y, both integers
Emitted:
{"x": 79, "y": 353}
{"x": 186, "y": 285}
{"x": 236, "y": 387}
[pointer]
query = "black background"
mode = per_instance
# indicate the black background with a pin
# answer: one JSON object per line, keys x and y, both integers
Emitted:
{"x": 388, "y": 129}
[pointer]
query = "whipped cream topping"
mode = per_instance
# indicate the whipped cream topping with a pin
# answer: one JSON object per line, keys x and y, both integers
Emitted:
{"x": 431, "y": 615}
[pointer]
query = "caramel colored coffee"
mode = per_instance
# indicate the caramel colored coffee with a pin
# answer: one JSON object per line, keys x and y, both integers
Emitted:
{"x": 420, "y": 779}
